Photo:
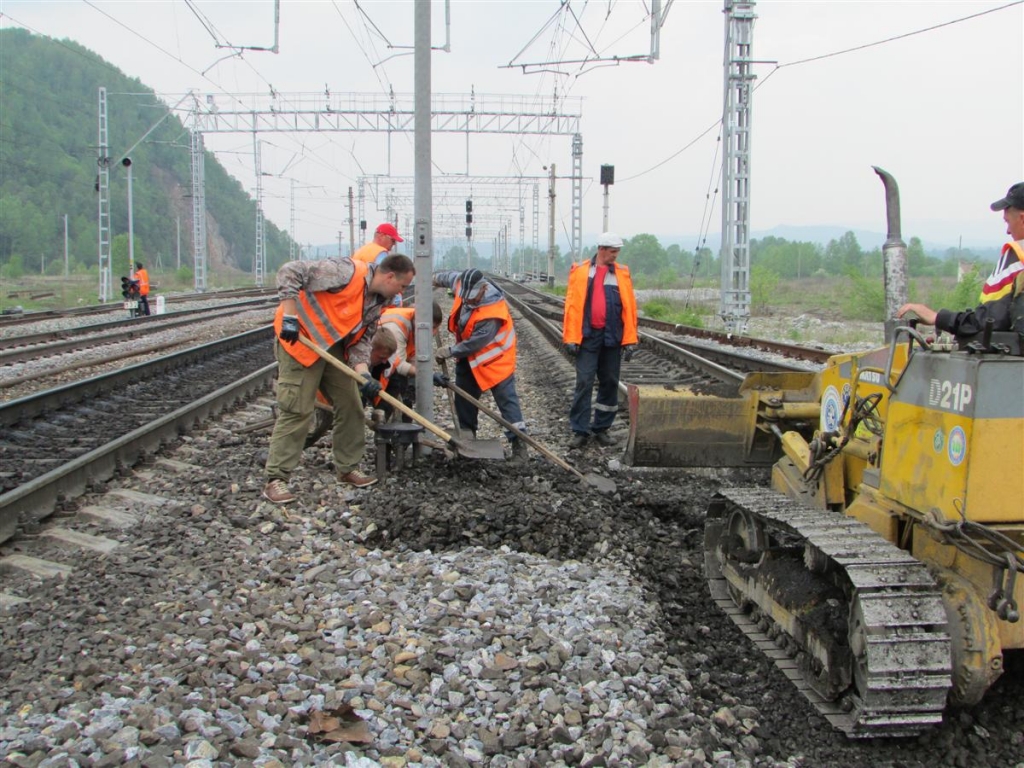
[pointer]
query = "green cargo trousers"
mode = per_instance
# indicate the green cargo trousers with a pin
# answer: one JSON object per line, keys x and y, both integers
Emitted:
{"x": 296, "y": 397}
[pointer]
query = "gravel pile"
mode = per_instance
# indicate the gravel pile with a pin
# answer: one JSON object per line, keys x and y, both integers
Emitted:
{"x": 458, "y": 614}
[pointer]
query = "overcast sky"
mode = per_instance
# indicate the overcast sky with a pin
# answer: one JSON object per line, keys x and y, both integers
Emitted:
{"x": 942, "y": 110}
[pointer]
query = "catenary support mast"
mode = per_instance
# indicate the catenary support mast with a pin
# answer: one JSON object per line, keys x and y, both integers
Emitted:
{"x": 103, "y": 197}
{"x": 736, "y": 126}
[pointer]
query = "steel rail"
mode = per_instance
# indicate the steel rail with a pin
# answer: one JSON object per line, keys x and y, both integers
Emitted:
{"x": 37, "y": 498}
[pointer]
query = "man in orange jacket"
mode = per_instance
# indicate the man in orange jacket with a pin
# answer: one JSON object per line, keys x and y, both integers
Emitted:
{"x": 374, "y": 252}
{"x": 484, "y": 351}
{"x": 143, "y": 277}
{"x": 599, "y": 330}
{"x": 337, "y": 304}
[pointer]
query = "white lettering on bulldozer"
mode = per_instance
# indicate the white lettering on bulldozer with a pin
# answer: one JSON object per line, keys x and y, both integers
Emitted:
{"x": 950, "y": 396}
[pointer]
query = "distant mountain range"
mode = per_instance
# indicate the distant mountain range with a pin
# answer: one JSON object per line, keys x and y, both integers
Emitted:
{"x": 823, "y": 234}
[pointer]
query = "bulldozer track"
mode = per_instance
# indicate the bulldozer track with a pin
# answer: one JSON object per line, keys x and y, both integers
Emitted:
{"x": 902, "y": 658}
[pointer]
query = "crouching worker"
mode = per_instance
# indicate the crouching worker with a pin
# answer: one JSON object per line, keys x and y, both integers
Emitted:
{"x": 337, "y": 304}
{"x": 485, "y": 351}
{"x": 398, "y": 375}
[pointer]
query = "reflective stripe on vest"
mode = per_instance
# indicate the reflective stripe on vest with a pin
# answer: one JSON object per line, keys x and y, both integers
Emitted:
{"x": 329, "y": 317}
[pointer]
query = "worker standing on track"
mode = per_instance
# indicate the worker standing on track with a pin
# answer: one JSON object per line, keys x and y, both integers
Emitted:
{"x": 484, "y": 351}
{"x": 599, "y": 330}
{"x": 337, "y": 304}
{"x": 999, "y": 291}
{"x": 143, "y": 277}
{"x": 374, "y": 252}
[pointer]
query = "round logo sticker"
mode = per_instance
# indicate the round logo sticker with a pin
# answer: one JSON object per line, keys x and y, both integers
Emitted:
{"x": 831, "y": 409}
{"x": 939, "y": 441}
{"x": 957, "y": 446}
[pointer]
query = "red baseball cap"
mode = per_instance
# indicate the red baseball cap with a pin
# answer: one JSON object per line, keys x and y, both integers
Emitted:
{"x": 390, "y": 231}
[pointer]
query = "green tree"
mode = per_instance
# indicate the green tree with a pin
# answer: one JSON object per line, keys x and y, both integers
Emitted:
{"x": 763, "y": 284}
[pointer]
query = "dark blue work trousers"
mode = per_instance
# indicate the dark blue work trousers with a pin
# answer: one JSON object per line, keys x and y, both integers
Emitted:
{"x": 595, "y": 360}
{"x": 504, "y": 394}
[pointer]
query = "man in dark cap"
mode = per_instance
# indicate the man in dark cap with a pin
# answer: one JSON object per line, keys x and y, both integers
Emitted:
{"x": 999, "y": 291}
{"x": 484, "y": 350}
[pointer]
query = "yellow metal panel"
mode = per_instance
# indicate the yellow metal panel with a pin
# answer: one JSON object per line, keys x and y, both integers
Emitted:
{"x": 995, "y": 478}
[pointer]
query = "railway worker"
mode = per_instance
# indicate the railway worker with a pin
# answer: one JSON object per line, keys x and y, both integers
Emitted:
{"x": 399, "y": 370}
{"x": 337, "y": 304}
{"x": 599, "y": 330}
{"x": 143, "y": 277}
{"x": 484, "y": 351}
{"x": 375, "y": 251}
{"x": 997, "y": 294}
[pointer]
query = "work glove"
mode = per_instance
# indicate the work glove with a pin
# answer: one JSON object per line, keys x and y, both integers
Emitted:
{"x": 443, "y": 353}
{"x": 627, "y": 353}
{"x": 370, "y": 387}
{"x": 290, "y": 328}
{"x": 440, "y": 380}
{"x": 572, "y": 349}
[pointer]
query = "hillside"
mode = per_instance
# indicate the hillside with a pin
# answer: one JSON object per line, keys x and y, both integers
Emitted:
{"x": 48, "y": 138}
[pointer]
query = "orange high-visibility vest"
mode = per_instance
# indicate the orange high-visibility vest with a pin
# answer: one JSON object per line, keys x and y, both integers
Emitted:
{"x": 328, "y": 317}
{"x": 400, "y": 322}
{"x": 369, "y": 252}
{"x": 143, "y": 277}
{"x": 497, "y": 361}
{"x": 576, "y": 299}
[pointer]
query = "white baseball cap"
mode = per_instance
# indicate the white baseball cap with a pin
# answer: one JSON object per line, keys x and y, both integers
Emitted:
{"x": 609, "y": 240}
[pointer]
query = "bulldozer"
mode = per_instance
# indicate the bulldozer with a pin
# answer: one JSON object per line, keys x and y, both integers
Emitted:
{"x": 880, "y": 570}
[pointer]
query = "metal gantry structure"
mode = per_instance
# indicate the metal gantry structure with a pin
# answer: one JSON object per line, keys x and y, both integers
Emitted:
{"x": 736, "y": 125}
{"x": 377, "y": 113}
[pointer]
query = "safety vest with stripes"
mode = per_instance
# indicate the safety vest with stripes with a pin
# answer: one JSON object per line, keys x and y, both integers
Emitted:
{"x": 1000, "y": 284}
{"x": 495, "y": 362}
{"x": 576, "y": 299}
{"x": 329, "y": 317}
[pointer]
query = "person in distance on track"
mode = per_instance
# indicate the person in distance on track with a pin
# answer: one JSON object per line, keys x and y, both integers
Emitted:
{"x": 599, "y": 330}
{"x": 336, "y": 303}
{"x": 999, "y": 292}
{"x": 374, "y": 252}
{"x": 143, "y": 277}
{"x": 484, "y": 351}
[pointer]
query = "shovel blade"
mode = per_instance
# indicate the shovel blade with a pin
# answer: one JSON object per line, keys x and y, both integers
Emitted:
{"x": 478, "y": 449}
{"x": 600, "y": 483}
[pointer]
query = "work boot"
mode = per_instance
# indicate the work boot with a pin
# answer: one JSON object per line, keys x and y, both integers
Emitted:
{"x": 579, "y": 439}
{"x": 277, "y": 492}
{"x": 357, "y": 479}
{"x": 520, "y": 454}
{"x": 604, "y": 439}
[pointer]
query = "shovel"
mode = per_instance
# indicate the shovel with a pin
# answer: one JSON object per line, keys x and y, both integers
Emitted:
{"x": 602, "y": 484}
{"x": 470, "y": 449}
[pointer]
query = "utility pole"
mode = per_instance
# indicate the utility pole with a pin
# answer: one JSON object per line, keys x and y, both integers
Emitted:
{"x": 259, "y": 262}
{"x": 734, "y": 304}
{"x": 469, "y": 234}
{"x": 127, "y": 163}
{"x": 339, "y": 243}
{"x": 177, "y": 230}
{"x": 351, "y": 223}
{"x": 66, "y": 245}
{"x": 423, "y": 238}
{"x": 291, "y": 223}
{"x": 607, "y": 179}
{"x": 551, "y": 227}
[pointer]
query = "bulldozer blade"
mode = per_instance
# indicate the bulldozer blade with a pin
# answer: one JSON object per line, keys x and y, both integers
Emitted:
{"x": 681, "y": 427}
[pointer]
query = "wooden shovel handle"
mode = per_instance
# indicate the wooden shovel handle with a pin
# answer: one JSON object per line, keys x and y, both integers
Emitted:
{"x": 332, "y": 360}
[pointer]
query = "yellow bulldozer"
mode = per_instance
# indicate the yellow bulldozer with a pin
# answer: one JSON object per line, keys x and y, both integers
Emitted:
{"x": 882, "y": 570}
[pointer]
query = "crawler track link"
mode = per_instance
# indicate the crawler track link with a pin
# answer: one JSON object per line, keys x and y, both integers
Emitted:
{"x": 891, "y": 672}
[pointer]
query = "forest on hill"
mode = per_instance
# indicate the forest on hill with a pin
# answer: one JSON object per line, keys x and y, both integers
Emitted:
{"x": 48, "y": 169}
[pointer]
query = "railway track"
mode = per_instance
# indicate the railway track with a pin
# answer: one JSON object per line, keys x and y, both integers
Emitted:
{"x": 33, "y": 346}
{"x": 110, "y": 307}
{"x": 56, "y": 442}
{"x": 691, "y": 338}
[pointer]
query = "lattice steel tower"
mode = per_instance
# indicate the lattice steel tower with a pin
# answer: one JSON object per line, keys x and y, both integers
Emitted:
{"x": 736, "y": 123}
{"x": 103, "y": 197}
